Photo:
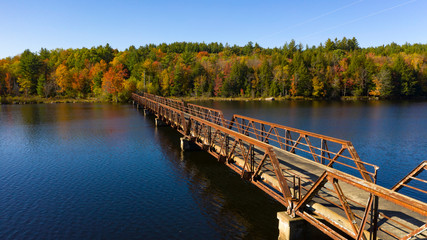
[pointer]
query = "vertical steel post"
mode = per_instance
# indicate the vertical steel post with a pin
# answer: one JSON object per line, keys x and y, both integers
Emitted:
{"x": 227, "y": 141}
{"x": 374, "y": 219}
{"x": 252, "y": 147}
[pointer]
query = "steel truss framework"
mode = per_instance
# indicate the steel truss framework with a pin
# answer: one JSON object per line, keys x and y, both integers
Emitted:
{"x": 250, "y": 147}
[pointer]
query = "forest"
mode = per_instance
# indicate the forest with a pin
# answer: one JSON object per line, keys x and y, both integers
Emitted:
{"x": 334, "y": 69}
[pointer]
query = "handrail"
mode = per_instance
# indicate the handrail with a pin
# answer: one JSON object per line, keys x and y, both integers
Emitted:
{"x": 412, "y": 176}
{"x": 337, "y": 140}
{"x": 270, "y": 132}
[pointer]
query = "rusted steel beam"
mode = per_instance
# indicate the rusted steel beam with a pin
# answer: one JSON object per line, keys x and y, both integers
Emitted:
{"x": 382, "y": 192}
{"x": 282, "y": 181}
{"x": 213, "y": 115}
{"x": 415, "y": 232}
{"x": 415, "y": 172}
{"x": 319, "y": 184}
{"x": 293, "y": 129}
{"x": 233, "y": 133}
{"x": 311, "y": 148}
{"x": 368, "y": 208}
{"x": 321, "y": 226}
{"x": 296, "y": 144}
{"x": 359, "y": 163}
{"x": 346, "y": 207}
{"x": 260, "y": 165}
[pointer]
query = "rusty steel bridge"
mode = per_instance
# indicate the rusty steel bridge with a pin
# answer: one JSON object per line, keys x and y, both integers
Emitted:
{"x": 317, "y": 178}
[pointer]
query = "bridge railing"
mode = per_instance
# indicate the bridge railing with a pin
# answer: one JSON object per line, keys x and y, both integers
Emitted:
{"x": 402, "y": 218}
{"x": 179, "y": 104}
{"x": 209, "y": 114}
{"x": 245, "y": 155}
{"x": 170, "y": 115}
{"x": 414, "y": 181}
{"x": 320, "y": 148}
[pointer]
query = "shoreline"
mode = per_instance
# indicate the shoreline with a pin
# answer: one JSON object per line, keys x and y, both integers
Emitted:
{"x": 40, "y": 100}
{"x": 270, "y": 99}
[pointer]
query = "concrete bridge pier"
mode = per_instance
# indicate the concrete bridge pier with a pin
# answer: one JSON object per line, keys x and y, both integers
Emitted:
{"x": 159, "y": 122}
{"x": 188, "y": 145}
{"x": 146, "y": 112}
{"x": 297, "y": 228}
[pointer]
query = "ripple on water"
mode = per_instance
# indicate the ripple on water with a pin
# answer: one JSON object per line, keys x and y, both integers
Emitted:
{"x": 100, "y": 171}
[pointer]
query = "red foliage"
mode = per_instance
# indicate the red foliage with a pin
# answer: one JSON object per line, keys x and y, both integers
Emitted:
{"x": 114, "y": 78}
{"x": 160, "y": 54}
{"x": 80, "y": 79}
{"x": 202, "y": 54}
{"x": 9, "y": 84}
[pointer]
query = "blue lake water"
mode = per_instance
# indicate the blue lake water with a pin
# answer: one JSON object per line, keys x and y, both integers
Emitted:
{"x": 102, "y": 171}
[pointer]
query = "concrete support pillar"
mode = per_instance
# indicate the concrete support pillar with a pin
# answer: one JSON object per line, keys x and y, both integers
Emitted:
{"x": 247, "y": 175}
{"x": 159, "y": 123}
{"x": 205, "y": 147}
{"x": 297, "y": 228}
{"x": 188, "y": 145}
{"x": 222, "y": 158}
{"x": 146, "y": 112}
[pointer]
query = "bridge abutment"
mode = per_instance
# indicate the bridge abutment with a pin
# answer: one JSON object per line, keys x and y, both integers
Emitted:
{"x": 297, "y": 228}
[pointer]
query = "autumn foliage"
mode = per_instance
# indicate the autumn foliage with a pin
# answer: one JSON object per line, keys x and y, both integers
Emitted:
{"x": 113, "y": 80}
{"x": 334, "y": 69}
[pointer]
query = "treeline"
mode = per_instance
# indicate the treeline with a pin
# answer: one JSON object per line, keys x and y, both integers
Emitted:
{"x": 334, "y": 69}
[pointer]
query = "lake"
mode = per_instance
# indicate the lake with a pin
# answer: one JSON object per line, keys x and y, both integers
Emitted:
{"x": 103, "y": 171}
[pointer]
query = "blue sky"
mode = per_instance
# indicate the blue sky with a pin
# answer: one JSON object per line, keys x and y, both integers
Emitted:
{"x": 32, "y": 24}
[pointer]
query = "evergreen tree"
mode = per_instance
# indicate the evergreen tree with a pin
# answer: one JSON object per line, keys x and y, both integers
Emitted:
{"x": 30, "y": 65}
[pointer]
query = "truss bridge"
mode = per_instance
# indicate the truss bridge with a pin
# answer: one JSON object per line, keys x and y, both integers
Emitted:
{"x": 326, "y": 188}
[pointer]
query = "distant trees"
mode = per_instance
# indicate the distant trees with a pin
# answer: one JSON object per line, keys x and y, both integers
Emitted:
{"x": 29, "y": 69}
{"x": 113, "y": 80}
{"x": 333, "y": 69}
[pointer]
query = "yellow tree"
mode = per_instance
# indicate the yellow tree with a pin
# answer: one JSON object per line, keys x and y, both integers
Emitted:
{"x": 96, "y": 73}
{"x": 377, "y": 87}
{"x": 63, "y": 78}
{"x": 318, "y": 87}
{"x": 165, "y": 82}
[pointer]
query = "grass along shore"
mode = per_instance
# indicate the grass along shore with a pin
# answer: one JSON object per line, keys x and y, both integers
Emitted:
{"x": 38, "y": 99}
{"x": 350, "y": 98}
